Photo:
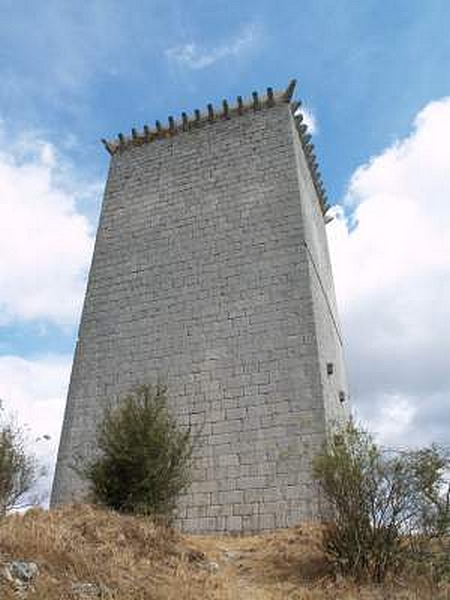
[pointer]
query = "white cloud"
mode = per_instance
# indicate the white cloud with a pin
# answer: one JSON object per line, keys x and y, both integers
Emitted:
{"x": 195, "y": 57}
{"x": 392, "y": 273}
{"x": 45, "y": 243}
{"x": 309, "y": 118}
{"x": 34, "y": 392}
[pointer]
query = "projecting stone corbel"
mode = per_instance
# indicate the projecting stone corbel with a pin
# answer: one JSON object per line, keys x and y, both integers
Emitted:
{"x": 108, "y": 146}
{"x": 289, "y": 92}
{"x": 226, "y": 112}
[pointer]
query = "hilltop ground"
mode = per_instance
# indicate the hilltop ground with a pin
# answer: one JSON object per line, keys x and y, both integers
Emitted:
{"x": 128, "y": 558}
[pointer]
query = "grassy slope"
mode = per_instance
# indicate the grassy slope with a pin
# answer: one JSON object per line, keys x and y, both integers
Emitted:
{"x": 136, "y": 560}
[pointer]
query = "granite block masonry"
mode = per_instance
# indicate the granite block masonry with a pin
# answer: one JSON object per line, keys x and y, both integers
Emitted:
{"x": 211, "y": 272}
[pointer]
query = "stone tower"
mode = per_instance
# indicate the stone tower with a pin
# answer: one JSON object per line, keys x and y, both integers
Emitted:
{"x": 211, "y": 272}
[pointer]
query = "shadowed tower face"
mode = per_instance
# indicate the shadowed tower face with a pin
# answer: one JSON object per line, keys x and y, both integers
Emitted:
{"x": 211, "y": 272}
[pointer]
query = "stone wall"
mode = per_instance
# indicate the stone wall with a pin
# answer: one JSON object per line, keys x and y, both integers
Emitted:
{"x": 201, "y": 278}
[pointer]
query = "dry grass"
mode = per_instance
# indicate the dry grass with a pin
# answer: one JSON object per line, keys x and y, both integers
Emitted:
{"x": 135, "y": 560}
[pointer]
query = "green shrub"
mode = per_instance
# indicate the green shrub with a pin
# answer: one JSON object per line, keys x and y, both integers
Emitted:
{"x": 387, "y": 507}
{"x": 17, "y": 467}
{"x": 144, "y": 457}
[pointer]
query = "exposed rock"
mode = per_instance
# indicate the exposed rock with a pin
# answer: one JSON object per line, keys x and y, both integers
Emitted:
{"x": 200, "y": 558}
{"x": 5, "y": 573}
{"x": 23, "y": 571}
{"x": 231, "y": 556}
{"x": 211, "y": 566}
{"x": 85, "y": 590}
{"x": 20, "y": 576}
{"x": 195, "y": 556}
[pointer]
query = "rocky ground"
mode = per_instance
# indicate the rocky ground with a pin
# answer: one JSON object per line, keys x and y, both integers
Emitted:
{"x": 81, "y": 552}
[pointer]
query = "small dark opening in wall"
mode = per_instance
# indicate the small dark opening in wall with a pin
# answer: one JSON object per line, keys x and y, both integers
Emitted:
{"x": 341, "y": 396}
{"x": 330, "y": 368}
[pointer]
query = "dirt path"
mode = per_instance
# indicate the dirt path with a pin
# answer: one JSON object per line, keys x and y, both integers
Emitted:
{"x": 274, "y": 566}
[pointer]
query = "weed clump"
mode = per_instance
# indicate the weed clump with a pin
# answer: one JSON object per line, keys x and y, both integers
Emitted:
{"x": 144, "y": 457}
{"x": 389, "y": 509}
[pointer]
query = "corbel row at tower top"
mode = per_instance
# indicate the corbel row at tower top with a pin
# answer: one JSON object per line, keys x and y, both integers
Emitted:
{"x": 228, "y": 111}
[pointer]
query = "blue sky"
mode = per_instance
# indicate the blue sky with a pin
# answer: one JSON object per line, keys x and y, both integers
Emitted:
{"x": 89, "y": 69}
{"x": 374, "y": 78}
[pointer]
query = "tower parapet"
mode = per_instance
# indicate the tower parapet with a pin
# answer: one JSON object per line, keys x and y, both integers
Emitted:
{"x": 228, "y": 111}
